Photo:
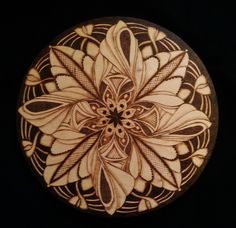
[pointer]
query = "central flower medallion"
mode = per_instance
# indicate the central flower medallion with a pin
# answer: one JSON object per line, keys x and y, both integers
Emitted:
{"x": 116, "y": 118}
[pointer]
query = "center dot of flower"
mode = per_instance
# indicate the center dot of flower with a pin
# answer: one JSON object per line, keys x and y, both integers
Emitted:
{"x": 115, "y": 117}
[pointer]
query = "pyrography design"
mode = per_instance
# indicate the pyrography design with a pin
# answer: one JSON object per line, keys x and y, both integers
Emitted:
{"x": 109, "y": 117}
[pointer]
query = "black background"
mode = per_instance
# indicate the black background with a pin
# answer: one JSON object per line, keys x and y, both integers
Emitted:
{"x": 206, "y": 27}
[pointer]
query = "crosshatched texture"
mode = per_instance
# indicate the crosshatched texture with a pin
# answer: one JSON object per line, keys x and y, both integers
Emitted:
{"x": 118, "y": 116}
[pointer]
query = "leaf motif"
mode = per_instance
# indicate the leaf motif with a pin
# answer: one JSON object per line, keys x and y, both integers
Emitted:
{"x": 79, "y": 201}
{"x": 175, "y": 61}
{"x": 146, "y": 203}
{"x": 163, "y": 161}
{"x": 29, "y": 147}
{"x": 155, "y": 34}
{"x": 33, "y": 77}
{"x": 201, "y": 86}
{"x": 198, "y": 156}
{"x": 121, "y": 48}
{"x": 69, "y": 66}
{"x": 58, "y": 175}
{"x": 84, "y": 31}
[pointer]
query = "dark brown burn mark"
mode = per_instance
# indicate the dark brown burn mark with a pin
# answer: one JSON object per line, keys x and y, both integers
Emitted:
{"x": 125, "y": 44}
{"x": 145, "y": 129}
{"x": 86, "y": 131}
{"x": 102, "y": 88}
{"x": 105, "y": 188}
{"x": 40, "y": 106}
{"x": 115, "y": 117}
{"x": 189, "y": 131}
{"x": 145, "y": 104}
{"x": 126, "y": 87}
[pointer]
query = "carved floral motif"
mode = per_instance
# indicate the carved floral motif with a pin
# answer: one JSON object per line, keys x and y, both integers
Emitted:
{"x": 115, "y": 117}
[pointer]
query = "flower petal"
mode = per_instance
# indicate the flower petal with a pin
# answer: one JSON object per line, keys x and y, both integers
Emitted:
{"x": 128, "y": 113}
{"x": 127, "y": 123}
{"x": 122, "y": 105}
{"x": 102, "y": 111}
{"x": 59, "y": 147}
{"x": 66, "y": 132}
{"x": 47, "y": 111}
{"x": 167, "y": 102}
{"x": 113, "y": 185}
{"x": 186, "y": 123}
{"x": 75, "y": 93}
{"x": 121, "y": 48}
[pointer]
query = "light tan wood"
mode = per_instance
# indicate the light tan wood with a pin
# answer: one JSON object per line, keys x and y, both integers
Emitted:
{"x": 116, "y": 117}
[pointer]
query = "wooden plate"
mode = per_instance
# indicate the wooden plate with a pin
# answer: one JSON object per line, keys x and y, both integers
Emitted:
{"x": 117, "y": 116}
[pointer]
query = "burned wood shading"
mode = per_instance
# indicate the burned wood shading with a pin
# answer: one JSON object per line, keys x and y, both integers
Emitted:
{"x": 118, "y": 116}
